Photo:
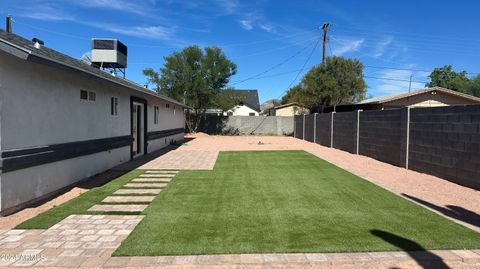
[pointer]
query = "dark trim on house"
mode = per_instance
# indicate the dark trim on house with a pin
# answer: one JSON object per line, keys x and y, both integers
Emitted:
{"x": 145, "y": 123}
{"x": 24, "y": 158}
{"x": 164, "y": 133}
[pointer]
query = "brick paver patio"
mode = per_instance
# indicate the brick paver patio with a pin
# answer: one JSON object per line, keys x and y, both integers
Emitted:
{"x": 74, "y": 239}
{"x": 184, "y": 160}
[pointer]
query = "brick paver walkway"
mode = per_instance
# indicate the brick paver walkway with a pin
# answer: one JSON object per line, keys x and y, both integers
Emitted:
{"x": 137, "y": 191}
{"x": 73, "y": 241}
{"x": 184, "y": 160}
{"x": 118, "y": 208}
{"x": 152, "y": 179}
{"x": 157, "y": 175}
{"x": 128, "y": 199}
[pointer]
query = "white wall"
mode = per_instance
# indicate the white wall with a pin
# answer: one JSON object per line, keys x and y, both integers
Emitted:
{"x": 242, "y": 110}
{"x": 41, "y": 106}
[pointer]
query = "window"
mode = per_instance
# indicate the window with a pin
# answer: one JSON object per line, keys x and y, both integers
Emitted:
{"x": 91, "y": 96}
{"x": 229, "y": 113}
{"x": 114, "y": 106}
{"x": 156, "y": 112}
{"x": 83, "y": 95}
{"x": 251, "y": 114}
{"x": 167, "y": 105}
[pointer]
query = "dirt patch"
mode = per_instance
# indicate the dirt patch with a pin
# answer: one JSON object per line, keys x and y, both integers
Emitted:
{"x": 13, "y": 220}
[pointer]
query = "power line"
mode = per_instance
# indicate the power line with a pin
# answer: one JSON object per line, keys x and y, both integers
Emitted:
{"x": 395, "y": 79}
{"x": 301, "y": 69}
{"x": 273, "y": 67}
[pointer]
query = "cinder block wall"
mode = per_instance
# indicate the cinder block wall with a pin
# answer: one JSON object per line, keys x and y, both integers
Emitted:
{"x": 345, "y": 131}
{"x": 445, "y": 142}
{"x": 309, "y": 127}
{"x": 324, "y": 129}
{"x": 298, "y": 126}
{"x": 380, "y": 135}
{"x": 441, "y": 141}
{"x": 238, "y": 125}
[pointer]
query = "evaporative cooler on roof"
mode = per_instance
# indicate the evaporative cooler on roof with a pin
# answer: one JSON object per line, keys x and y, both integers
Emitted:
{"x": 108, "y": 53}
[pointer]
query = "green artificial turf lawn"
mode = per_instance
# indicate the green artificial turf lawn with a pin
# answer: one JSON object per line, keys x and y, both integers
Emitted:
{"x": 285, "y": 201}
{"x": 78, "y": 205}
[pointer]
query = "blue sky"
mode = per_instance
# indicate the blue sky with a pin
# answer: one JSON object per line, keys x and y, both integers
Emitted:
{"x": 279, "y": 36}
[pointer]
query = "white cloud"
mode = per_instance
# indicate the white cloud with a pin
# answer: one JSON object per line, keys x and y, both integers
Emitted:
{"x": 397, "y": 81}
{"x": 46, "y": 13}
{"x": 343, "y": 46}
{"x": 150, "y": 32}
{"x": 381, "y": 46}
{"x": 229, "y": 6}
{"x": 246, "y": 24}
{"x": 266, "y": 27}
{"x": 136, "y": 7}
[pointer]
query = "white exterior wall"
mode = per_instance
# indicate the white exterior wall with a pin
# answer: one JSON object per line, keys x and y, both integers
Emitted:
{"x": 41, "y": 106}
{"x": 242, "y": 110}
{"x": 172, "y": 117}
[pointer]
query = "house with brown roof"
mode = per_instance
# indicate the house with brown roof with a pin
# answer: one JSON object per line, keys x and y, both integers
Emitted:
{"x": 429, "y": 97}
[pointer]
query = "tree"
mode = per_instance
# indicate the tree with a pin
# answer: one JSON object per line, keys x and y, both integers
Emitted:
{"x": 198, "y": 78}
{"x": 446, "y": 77}
{"x": 338, "y": 81}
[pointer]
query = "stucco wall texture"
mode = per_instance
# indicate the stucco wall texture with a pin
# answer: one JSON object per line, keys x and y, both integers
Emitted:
{"x": 41, "y": 106}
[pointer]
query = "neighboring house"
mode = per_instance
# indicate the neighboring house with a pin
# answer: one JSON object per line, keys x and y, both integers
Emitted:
{"x": 288, "y": 110}
{"x": 63, "y": 120}
{"x": 248, "y": 106}
{"x": 429, "y": 97}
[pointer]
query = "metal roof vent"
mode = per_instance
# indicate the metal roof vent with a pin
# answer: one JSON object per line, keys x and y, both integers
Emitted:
{"x": 37, "y": 43}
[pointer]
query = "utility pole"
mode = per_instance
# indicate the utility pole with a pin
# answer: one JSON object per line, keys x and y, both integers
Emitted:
{"x": 325, "y": 28}
{"x": 9, "y": 24}
{"x": 410, "y": 84}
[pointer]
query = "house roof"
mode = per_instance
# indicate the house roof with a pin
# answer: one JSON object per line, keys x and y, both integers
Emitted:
{"x": 24, "y": 49}
{"x": 250, "y": 98}
{"x": 390, "y": 98}
{"x": 287, "y": 105}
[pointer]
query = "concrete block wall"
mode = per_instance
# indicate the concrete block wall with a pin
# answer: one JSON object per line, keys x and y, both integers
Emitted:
{"x": 324, "y": 129}
{"x": 238, "y": 125}
{"x": 309, "y": 127}
{"x": 445, "y": 142}
{"x": 298, "y": 133}
{"x": 380, "y": 135}
{"x": 345, "y": 131}
{"x": 441, "y": 141}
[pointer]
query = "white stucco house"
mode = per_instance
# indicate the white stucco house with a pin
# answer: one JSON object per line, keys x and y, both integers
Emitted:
{"x": 248, "y": 106}
{"x": 62, "y": 120}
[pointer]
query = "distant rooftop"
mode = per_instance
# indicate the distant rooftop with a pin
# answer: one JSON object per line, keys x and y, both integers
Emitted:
{"x": 389, "y": 98}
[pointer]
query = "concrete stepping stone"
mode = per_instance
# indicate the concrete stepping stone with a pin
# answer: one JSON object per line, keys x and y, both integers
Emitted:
{"x": 138, "y": 191}
{"x": 145, "y": 185}
{"x": 152, "y": 180}
{"x": 157, "y": 175}
{"x": 128, "y": 199}
{"x": 118, "y": 208}
{"x": 161, "y": 172}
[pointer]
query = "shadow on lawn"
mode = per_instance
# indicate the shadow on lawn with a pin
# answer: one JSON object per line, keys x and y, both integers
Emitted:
{"x": 452, "y": 211}
{"x": 423, "y": 257}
